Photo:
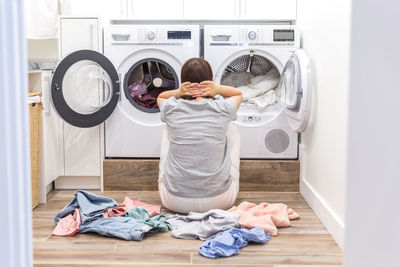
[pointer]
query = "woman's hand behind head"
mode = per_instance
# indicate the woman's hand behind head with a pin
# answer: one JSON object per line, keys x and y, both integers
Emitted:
{"x": 188, "y": 89}
{"x": 208, "y": 88}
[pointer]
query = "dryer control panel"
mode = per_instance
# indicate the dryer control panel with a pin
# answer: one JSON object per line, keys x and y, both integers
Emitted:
{"x": 252, "y": 35}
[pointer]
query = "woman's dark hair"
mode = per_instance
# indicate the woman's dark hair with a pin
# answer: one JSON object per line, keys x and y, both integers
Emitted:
{"x": 196, "y": 70}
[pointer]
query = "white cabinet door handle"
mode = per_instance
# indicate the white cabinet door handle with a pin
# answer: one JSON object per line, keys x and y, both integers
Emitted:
{"x": 46, "y": 95}
{"x": 91, "y": 35}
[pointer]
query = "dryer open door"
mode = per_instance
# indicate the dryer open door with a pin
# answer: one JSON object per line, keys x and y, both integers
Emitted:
{"x": 85, "y": 88}
{"x": 294, "y": 91}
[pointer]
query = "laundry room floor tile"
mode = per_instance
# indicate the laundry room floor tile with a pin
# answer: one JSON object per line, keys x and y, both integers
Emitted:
{"x": 305, "y": 243}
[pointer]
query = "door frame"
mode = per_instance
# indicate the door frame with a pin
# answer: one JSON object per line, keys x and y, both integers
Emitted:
{"x": 15, "y": 193}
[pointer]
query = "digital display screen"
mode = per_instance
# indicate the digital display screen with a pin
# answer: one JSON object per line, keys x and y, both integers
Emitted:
{"x": 179, "y": 34}
{"x": 283, "y": 35}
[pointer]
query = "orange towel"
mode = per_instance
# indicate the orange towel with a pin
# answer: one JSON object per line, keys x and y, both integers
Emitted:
{"x": 264, "y": 215}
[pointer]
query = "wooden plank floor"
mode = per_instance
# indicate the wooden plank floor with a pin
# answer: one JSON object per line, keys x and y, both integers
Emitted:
{"x": 305, "y": 243}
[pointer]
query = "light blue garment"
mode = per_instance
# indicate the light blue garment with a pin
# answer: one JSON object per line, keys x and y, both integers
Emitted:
{"x": 121, "y": 227}
{"x": 229, "y": 242}
{"x": 91, "y": 206}
{"x": 141, "y": 215}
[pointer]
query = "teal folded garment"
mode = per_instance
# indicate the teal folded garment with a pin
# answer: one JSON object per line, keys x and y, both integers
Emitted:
{"x": 141, "y": 215}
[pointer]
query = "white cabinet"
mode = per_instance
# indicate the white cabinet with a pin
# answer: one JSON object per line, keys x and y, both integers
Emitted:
{"x": 211, "y": 9}
{"x": 81, "y": 146}
{"x": 72, "y": 39}
{"x": 82, "y": 151}
{"x": 52, "y": 156}
{"x": 106, "y": 9}
{"x": 272, "y": 10}
{"x": 278, "y": 10}
{"x": 155, "y": 9}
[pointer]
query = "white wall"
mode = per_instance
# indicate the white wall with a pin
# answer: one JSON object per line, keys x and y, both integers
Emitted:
{"x": 42, "y": 48}
{"x": 373, "y": 199}
{"x": 325, "y": 27}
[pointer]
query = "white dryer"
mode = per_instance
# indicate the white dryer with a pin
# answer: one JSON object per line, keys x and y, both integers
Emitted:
{"x": 270, "y": 132}
{"x": 120, "y": 87}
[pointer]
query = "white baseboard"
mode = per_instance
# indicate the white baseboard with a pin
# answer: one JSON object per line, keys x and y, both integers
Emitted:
{"x": 328, "y": 217}
{"x": 77, "y": 182}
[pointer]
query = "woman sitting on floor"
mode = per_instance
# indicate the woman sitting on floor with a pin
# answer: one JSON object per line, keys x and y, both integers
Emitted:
{"x": 199, "y": 162}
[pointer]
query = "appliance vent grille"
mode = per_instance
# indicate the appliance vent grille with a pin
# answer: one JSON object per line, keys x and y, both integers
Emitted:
{"x": 277, "y": 141}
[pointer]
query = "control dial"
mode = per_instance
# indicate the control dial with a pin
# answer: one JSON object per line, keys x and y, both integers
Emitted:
{"x": 252, "y": 35}
{"x": 151, "y": 35}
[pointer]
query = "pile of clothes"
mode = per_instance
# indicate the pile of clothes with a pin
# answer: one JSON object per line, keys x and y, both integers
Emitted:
{"x": 147, "y": 81}
{"x": 139, "y": 93}
{"x": 256, "y": 90}
{"x": 224, "y": 232}
{"x": 88, "y": 212}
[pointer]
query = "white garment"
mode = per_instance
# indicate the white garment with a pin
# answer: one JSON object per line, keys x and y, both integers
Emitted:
{"x": 222, "y": 201}
{"x": 259, "y": 87}
{"x": 41, "y": 19}
{"x": 264, "y": 100}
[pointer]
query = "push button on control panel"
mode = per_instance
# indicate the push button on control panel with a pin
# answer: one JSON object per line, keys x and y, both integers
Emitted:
{"x": 251, "y": 118}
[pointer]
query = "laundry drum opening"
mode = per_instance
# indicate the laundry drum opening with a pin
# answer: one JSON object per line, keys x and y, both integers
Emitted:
{"x": 147, "y": 79}
{"x": 255, "y": 76}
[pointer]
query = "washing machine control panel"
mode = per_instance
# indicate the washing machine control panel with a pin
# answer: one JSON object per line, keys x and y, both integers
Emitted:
{"x": 174, "y": 35}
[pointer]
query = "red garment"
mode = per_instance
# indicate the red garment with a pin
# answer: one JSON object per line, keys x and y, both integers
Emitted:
{"x": 69, "y": 225}
{"x": 149, "y": 100}
{"x": 130, "y": 203}
{"x": 266, "y": 216}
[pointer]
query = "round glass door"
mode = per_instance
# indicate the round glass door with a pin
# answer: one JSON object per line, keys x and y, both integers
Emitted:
{"x": 85, "y": 88}
{"x": 294, "y": 91}
{"x": 289, "y": 90}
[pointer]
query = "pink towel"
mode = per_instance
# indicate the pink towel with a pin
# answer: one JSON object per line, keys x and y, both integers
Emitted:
{"x": 130, "y": 203}
{"x": 114, "y": 212}
{"x": 69, "y": 225}
{"x": 264, "y": 215}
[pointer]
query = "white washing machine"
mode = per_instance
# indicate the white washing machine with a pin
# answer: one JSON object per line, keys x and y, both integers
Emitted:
{"x": 270, "y": 132}
{"x": 121, "y": 86}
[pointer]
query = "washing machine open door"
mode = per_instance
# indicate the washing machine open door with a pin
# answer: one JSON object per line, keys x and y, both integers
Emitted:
{"x": 294, "y": 91}
{"x": 85, "y": 88}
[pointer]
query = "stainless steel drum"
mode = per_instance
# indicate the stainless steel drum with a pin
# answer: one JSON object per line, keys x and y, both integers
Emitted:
{"x": 259, "y": 65}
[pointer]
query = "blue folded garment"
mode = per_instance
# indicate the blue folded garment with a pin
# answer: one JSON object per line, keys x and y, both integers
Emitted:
{"x": 229, "y": 242}
{"x": 121, "y": 227}
{"x": 91, "y": 206}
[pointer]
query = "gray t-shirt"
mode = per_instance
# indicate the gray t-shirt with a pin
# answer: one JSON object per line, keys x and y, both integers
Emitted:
{"x": 197, "y": 164}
